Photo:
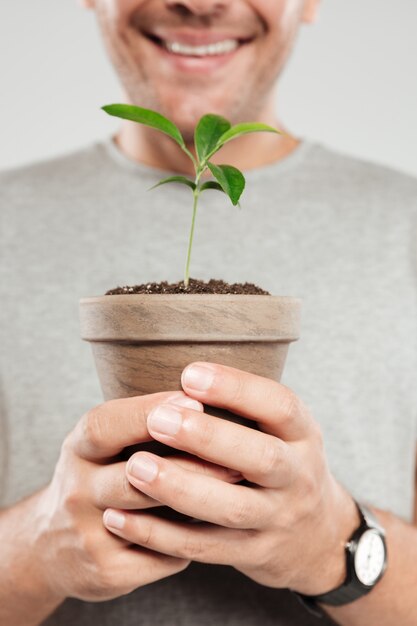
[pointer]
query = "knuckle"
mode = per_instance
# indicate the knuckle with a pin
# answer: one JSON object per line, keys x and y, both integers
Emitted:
{"x": 106, "y": 579}
{"x": 147, "y": 537}
{"x": 289, "y": 516}
{"x": 312, "y": 492}
{"x": 265, "y": 555}
{"x": 193, "y": 549}
{"x": 92, "y": 427}
{"x": 99, "y": 585}
{"x": 73, "y": 502}
{"x": 127, "y": 492}
{"x": 270, "y": 458}
{"x": 239, "y": 514}
{"x": 89, "y": 544}
{"x": 207, "y": 432}
{"x": 204, "y": 498}
{"x": 290, "y": 405}
{"x": 238, "y": 391}
{"x": 87, "y": 589}
{"x": 177, "y": 487}
{"x": 246, "y": 558}
{"x": 72, "y": 496}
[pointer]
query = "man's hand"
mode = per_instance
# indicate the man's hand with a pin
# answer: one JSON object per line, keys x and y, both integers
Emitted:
{"x": 286, "y": 527}
{"x": 77, "y": 556}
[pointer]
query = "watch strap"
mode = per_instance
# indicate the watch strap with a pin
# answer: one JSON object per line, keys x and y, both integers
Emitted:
{"x": 344, "y": 594}
{"x": 351, "y": 589}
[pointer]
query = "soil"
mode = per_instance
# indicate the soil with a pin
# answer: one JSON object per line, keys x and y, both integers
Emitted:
{"x": 194, "y": 286}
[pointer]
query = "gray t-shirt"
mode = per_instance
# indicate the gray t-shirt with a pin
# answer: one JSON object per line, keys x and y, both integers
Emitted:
{"x": 337, "y": 232}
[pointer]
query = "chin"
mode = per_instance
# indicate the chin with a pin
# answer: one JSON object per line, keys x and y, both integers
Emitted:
{"x": 186, "y": 111}
{"x": 185, "y": 106}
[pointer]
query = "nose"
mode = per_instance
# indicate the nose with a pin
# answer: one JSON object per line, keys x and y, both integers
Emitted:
{"x": 200, "y": 8}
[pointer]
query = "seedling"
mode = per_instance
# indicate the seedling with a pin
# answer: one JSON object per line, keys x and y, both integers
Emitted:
{"x": 211, "y": 134}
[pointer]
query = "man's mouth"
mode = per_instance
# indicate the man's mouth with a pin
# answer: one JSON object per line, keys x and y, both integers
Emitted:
{"x": 213, "y": 49}
{"x": 195, "y": 46}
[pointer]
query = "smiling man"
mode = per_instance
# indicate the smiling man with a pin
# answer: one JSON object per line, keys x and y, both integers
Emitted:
{"x": 308, "y": 519}
{"x": 187, "y": 58}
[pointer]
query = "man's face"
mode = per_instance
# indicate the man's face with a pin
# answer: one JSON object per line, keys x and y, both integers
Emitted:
{"x": 189, "y": 57}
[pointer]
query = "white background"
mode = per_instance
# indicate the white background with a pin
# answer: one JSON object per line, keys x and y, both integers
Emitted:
{"x": 351, "y": 83}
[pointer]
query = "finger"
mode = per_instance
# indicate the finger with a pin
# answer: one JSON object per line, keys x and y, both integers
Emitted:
{"x": 112, "y": 488}
{"x": 275, "y": 407}
{"x": 198, "y": 496}
{"x": 201, "y": 466}
{"x": 105, "y": 430}
{"x": 135, "y": 567}
{"x": 261, "y": 458}
{"x": 198, "y": 542}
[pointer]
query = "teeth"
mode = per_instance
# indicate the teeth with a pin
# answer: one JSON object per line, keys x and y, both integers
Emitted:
{"x": 212, "y": 49}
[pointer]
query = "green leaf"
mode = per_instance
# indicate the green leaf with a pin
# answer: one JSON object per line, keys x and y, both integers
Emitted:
{"x": 230, "y": 179}
{"x": 245, "y": 129}
{"x": 175, "y": 179}
{"x": 207, "y": 134}
{"x": 146, "y": 117}
{"x": 211, "y": 184}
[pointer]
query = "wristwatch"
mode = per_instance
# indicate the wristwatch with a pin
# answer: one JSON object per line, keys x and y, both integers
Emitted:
{"x": 366, "y": 562}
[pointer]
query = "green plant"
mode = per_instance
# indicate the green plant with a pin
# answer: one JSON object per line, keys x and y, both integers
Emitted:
{"x": 211, "y": 134}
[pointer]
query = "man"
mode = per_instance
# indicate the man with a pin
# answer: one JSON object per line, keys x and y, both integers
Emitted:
{"x": 79, "y": 541}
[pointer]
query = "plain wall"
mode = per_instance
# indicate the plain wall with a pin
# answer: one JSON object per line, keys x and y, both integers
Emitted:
{"x": 351, "y": 83}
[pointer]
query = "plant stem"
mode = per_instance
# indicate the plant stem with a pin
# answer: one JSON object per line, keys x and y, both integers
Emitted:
{"x": 200, "y": 169}
{"x": 189, "y": 154}
{"x": 190, "y": 243}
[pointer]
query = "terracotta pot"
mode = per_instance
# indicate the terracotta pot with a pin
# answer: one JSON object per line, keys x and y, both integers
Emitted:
{"x": 141, "y": 343}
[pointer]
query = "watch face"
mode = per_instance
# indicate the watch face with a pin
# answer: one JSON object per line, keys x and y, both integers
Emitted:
{"x": 369, "y": 557}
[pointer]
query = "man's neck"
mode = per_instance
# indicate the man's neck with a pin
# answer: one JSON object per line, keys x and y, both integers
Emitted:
{"x": 154, "y": 149}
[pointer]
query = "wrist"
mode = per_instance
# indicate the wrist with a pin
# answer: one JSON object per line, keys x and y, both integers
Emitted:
{"x": 339, "y": 518}
{"x": 26, "y": 597}
{"x": 366, "y": 563}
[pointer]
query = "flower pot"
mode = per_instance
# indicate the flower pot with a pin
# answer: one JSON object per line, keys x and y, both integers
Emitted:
{"x": 142, "y": 343}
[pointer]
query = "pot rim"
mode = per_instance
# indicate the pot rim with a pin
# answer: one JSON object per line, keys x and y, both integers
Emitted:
{"x": 200, "y": 318}
{"x": 131, "y": 297}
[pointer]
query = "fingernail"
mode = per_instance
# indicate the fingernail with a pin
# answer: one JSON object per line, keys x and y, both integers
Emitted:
{"x": 143, "y": 468}
{"x": 114, "y": 519}
{"x": 198, "y": 377}
{"x": 165, "y": 420}
{"x": 188, "y": 403}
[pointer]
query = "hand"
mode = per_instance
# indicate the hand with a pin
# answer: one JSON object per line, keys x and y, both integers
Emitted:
{"x": 78, "y": 557}
{"x": 286, "y": 527}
